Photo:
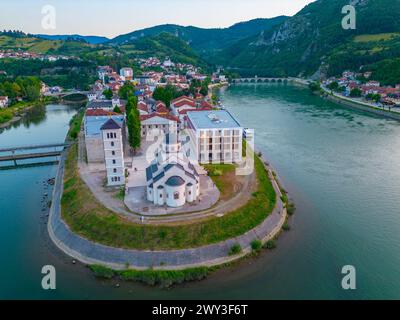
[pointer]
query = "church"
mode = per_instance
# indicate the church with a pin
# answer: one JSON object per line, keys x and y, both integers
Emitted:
{"x": 171, "y": 179}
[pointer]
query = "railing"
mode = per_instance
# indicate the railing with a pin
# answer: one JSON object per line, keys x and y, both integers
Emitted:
{"x": 44, "y": 151}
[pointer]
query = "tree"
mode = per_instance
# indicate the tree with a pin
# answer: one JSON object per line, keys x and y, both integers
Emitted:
{"x": 134, "y": 129}
{"x": 333, "y": 86}
{"x": 108, "y": 94}
{"x": 355, "y": 93}
{"x": 126, "y": 91}
{"x": 165, "y": 94}
{"x": 131, "y": 104}
{"x": 32, "y": 93}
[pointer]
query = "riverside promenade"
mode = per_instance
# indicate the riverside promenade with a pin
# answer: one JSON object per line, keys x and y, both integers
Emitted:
{"x": 361, "y": 105}
{"x": 89, "y": 252}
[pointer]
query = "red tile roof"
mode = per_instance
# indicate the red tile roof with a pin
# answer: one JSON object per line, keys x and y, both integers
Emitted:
{"x": 165, "y": 116}
{"x": 205, "y": 104}
{"x": 99, "y": 112}
{"x": 184, "y": 100}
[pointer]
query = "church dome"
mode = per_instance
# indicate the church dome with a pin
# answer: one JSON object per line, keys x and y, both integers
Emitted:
{"x": 175, "y": 181}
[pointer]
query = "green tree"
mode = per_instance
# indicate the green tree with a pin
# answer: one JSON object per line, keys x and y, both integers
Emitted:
{"x": 134, "y": 129}
{"x": 355, "y": 93}
{"x": 333, "y": 86}
{"x": 108, "y": 94}
{"x": 32, "y": 93}
{"x": 131, "y": 104}
{"x": 165, "y": 94}
{"x": 126, "y": 91}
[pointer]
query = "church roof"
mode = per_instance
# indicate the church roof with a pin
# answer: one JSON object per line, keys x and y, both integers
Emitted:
{"x": 110, "y": 125}
{"x": 175, "y": 181}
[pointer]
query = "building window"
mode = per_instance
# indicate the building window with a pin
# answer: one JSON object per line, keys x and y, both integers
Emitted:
{"x": 113, "y": 153}
{"x": 190, "y": 193}
{"x": 115, "y": 170}
{"x": 112, "y": 143}
{"x": 176, "y": 195}
{"x": 160, "y": 195}
{"x": 114, "y": 162}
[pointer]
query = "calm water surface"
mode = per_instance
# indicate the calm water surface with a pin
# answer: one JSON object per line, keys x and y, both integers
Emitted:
{"x": 341, "y": 167}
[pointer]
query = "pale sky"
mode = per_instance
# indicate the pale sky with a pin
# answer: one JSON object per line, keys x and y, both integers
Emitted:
{"x": 114, "y": 17}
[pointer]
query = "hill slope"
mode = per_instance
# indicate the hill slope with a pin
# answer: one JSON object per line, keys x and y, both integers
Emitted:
{"x": 88, "y": 39}
{"x": 299, "y": 45}
{"x": 42, "y": 46}
{"x": 162, "y": 45}
{"x": 204, "y": 40}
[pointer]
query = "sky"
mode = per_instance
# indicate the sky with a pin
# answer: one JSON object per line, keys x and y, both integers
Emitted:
{"x": 114, "y": 17}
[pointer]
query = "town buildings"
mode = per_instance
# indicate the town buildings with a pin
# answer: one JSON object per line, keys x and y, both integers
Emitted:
{"x": 168, "y": 177}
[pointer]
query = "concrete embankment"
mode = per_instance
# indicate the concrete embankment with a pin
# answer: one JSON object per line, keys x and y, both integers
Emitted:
{"x": 89, "y": 252}
{"x": 363, "y": 107}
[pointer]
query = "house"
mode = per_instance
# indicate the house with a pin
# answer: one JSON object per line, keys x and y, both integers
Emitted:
{"x": 161, "y": 108}
{"x": 92, "y": 95}
{"x": 154, "y": 123}
{"x": 171, "y": 179}
{"x": 107, "y": 104}
{"x": 373, "y": 84}
{"x": 168, "y": 63}
{"x": 93, "y": 121}
{"x": 112, "y": 137}
{"x": 182, "y": 103}
{"x": 216, "y": 136}
{"x": 126, "y": 73}
{"x": 142, "y": 107}
{"x": 3, "y": 101}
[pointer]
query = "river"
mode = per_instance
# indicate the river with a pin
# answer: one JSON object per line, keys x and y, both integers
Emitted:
{"x": 340, "y": 166}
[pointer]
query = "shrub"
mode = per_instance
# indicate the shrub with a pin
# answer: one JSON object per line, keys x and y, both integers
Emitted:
{"x": 102, "y": 271}
{"x": 291, "y": 208}
{"x": 256, "y": 245}
{"x": 270, "y": 244}
{"x": 235, "y": 249}
{"x": 286, "y": 226}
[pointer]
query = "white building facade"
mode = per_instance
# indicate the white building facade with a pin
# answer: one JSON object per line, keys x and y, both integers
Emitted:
{"x": 216, "y": 136}
{"x": 171, "y": 179}
{"x": 113, "y": 153}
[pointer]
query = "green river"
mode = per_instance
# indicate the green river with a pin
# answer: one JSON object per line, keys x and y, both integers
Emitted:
{"x": 341, "y": 168}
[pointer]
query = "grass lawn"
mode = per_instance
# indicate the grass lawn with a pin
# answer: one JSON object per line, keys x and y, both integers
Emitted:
{"x": 224, "y": 178}
{"x": 375, "y": 37}
{"x": 88, "y": 218}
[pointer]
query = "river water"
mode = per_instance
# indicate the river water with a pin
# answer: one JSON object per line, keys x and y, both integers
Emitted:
{"x": 341, "y": 168}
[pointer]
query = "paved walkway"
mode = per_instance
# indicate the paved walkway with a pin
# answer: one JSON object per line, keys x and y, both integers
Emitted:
{"x": 215, "y": 254}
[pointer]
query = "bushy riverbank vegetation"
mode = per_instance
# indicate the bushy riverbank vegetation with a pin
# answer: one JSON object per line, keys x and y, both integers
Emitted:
{"x": 90, "y": 219}
{"x": 162, "y": 278}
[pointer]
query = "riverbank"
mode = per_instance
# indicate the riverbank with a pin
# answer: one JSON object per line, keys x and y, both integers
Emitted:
{"x": 13, "y": 114}
{"x": 358, "y": 105}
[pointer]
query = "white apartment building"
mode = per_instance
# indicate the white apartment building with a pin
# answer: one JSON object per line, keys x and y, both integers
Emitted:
{"x": 216, "y": 136}
{"x": 113, "y": 153}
